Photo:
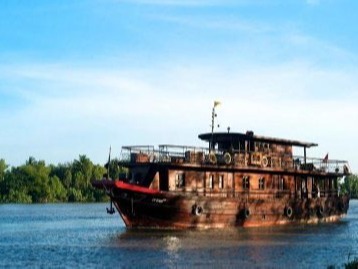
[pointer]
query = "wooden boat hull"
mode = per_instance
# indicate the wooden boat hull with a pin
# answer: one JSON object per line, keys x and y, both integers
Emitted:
{"x": 143, "y": 207}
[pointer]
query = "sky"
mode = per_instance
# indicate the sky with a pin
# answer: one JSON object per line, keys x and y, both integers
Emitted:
{"x": 78, "y": 77}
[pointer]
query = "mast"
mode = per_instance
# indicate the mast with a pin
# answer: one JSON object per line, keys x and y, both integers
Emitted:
{"x": 213, "y": 116}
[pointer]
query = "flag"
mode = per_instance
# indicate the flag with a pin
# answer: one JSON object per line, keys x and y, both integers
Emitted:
{"x": 216, "y": 103}
{"x": 325, "y": 159}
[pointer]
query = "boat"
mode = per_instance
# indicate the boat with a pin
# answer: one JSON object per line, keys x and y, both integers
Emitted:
{"x": 238, "y": 180}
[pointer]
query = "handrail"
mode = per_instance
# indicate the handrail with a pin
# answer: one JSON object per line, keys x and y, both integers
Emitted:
{"x": 238, "y": 158}
{"x": 322, "y": 165}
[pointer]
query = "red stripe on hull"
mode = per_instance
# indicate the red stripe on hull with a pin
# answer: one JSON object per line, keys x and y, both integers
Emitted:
{"x": 121, "y": 185}
{"x": 135, "y": 188}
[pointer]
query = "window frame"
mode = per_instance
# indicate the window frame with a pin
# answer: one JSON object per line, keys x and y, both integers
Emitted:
{"x": 211, "y": 181}
{"x": 262, "y": 183}
{"x": 246, "y": 182}
{"x": 180, "y": 180}
{"x": 221, "y": 181}
{"x": 281, "y": 183}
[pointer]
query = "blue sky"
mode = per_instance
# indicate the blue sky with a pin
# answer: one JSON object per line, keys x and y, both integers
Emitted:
{"x": 79, "y": 76}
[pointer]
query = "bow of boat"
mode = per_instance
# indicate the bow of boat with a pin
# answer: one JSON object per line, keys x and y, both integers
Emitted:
{"x": 108, "y": 185}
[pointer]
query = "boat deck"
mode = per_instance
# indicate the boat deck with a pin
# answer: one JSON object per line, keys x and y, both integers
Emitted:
{"x": 199, "y": 156}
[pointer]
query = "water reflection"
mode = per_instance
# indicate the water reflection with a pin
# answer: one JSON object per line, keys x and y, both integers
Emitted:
{"x": 297, "y": 246}
{"x": 172, "y": 245}
{"x": 73, "y": 236}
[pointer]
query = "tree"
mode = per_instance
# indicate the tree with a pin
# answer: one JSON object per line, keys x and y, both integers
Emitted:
{"x": 97, "y": 173}
{"x": 13, "y": 187}
{"x": 115, "y": 170}
{"x": 75, "y": 195}
{"x": 3, "y": 167}
{"x": 36, "y": 182}
{"x": 58, "y": 191}
{"x": 84, "y": 166}
{"x": 350, "y": 185}
{"x": 36, "y": 177}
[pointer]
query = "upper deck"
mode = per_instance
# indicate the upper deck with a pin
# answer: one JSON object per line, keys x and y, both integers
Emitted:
{"x": 236, "y": 151}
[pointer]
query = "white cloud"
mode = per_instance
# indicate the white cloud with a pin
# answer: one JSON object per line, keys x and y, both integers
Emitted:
{"x": 271, "y": 73}
{"x": 83, "y": 110}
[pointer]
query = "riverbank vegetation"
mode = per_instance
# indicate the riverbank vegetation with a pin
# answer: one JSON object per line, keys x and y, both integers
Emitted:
{"x": 352, "y": 264}
{"x": 37, "y": 182}
{"x": 350, "y": 185}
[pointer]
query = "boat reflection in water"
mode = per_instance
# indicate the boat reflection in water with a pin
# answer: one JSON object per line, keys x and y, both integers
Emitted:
{"x": 296, "y": 246}
{"x": 240, "y": 179}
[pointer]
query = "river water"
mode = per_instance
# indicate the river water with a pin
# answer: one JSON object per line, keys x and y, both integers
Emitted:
{"x": 84, "y": 236}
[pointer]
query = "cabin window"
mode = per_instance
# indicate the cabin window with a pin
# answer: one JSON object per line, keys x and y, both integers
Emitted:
{"x": 246, "y": 182}
{"x": 221, "y": 181}
{"x": 273, "y": 181}
{"x": 261, "y": 183}
{"x": 211, "y": 181}
{"x": 180, "y": 180}
{"x": 281, "y": 183}
{"x": 303, "y": 186}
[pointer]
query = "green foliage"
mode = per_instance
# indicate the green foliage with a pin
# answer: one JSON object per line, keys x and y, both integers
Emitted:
{"x": 350, "y": 185}
{"x": 113, "y": 169}
{"x": 58, "y": 193}
{"x": 18, "y": 196}
{"x": 3, "y": 167}
{"x": 75, "y": 195}
{"x": 36, "y": 182}
{"x": 352, "y": 264}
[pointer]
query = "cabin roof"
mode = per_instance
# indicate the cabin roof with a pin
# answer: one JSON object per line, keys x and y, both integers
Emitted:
{"x": 228, "y": 137}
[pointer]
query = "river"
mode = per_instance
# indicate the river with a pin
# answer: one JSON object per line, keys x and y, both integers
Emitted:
{"x": 84, "y": 236}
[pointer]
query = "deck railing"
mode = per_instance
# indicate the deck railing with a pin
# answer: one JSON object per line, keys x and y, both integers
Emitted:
{"x": 202, "y": 156}
{"x": 322, "y": 165}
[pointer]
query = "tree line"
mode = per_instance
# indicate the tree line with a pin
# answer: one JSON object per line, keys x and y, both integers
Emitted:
{"x": 37, "y": 182}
